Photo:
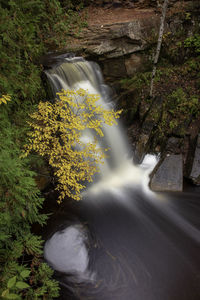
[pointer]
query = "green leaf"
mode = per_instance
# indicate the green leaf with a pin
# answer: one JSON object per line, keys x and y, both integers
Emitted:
{"x": 25, "y": 273}
{"x": 11, "y": 282}
{"x": 5, "y": 293}
{"x": 22, "y": 285}
{"x": 12, "y": 296}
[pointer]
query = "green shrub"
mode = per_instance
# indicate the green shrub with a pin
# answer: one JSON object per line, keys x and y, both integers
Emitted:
{"x": 180, "y": 102}
{"x": 28, "y": 29}
{"x": 20, "y": 249}
{"x": 193, "y": 42}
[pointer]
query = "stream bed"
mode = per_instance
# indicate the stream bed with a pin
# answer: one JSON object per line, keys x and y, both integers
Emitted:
{"x": 130, "y": 246}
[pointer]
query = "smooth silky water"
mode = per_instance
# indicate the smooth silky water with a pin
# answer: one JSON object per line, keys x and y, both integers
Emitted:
{"x": 122, "y": 241}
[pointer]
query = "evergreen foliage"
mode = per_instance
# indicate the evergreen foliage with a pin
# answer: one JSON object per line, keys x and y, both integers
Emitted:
{"x": 28, "y": 29}
{"x": 20, "y": 249}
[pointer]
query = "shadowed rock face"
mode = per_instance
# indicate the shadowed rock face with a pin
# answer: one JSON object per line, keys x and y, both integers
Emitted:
{"x": 118, "y": 32}
{"x": 168, "y": 175}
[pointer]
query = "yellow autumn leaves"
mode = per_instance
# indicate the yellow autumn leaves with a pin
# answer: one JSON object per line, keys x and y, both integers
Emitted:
{"x": 5, "y": 98}
{"x": 57, "y": 134}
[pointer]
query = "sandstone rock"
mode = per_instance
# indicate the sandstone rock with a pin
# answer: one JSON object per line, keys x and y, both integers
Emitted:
{"x": 115, "y": 39}
{"x": 195, "y": 172}
{"x": 168, "y": 174}
{"x": 117, "y": 46}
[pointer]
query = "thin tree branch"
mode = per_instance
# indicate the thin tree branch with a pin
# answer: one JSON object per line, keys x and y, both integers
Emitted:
{"x": 159, "y": 43}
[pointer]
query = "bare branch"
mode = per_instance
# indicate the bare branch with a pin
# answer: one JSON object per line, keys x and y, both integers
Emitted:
{"x": 159, "y": 43}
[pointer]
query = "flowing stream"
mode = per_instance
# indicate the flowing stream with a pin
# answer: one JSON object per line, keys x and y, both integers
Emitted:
{"x": 122, "y": 241}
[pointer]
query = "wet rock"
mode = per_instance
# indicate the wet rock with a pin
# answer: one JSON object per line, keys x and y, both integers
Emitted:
{"x": 129, "y": 103}
{"x": 145, "y": 105}
{"x": 141, "y": 148}
{"x": 43, "y": 178}
{"x": 182, "y": 127}
{"x": 114, "y": 68}
{"x": 173, "y": 145}
{"x": 135, "y": 63}
{"x": 195, "y": 172}
{"x": 151, "y": 118}
{"x": 168, "y": 174}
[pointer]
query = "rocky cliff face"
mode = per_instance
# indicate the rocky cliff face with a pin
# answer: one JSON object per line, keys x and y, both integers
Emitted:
{"x": 121, "y": 36}
{"x": 117, "y": 37}
{"x": 117, "y": 46}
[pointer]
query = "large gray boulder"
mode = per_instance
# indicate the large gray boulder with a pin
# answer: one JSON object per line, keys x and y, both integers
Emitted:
{"x": 195, "y": 172}
{"x": 168, "y": 174}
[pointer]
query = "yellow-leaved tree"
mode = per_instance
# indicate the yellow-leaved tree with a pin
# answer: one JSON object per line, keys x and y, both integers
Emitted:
{"x": 57, "y": 134}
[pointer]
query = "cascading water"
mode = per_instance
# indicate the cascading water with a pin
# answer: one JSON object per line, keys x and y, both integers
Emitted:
{"x": 78, "y": 73}
{"x": 130, "y": 243}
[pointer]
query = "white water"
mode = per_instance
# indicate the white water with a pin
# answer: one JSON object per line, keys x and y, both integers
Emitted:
{"x": 70, "y": 244}
{"x": 67, "y": 250}
{"x": 126, "y": 174}
{"x": 116, "y": 172}
{"x": 118, "y": 169}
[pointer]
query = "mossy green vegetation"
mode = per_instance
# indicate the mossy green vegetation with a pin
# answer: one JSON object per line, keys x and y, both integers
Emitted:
{"x": 193, "y": 42}
{"x": 28, "y": 29}
{"x": 177, "y": 82}
{"x": 20, "y": 249}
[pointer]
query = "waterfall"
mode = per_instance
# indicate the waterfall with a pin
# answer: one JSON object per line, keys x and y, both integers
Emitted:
{"x": 127, "y": 241}
{"x": 118, "y": 168}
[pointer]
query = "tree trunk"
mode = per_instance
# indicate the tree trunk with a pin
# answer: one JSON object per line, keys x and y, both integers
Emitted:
{"x": 159, "y": 43}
